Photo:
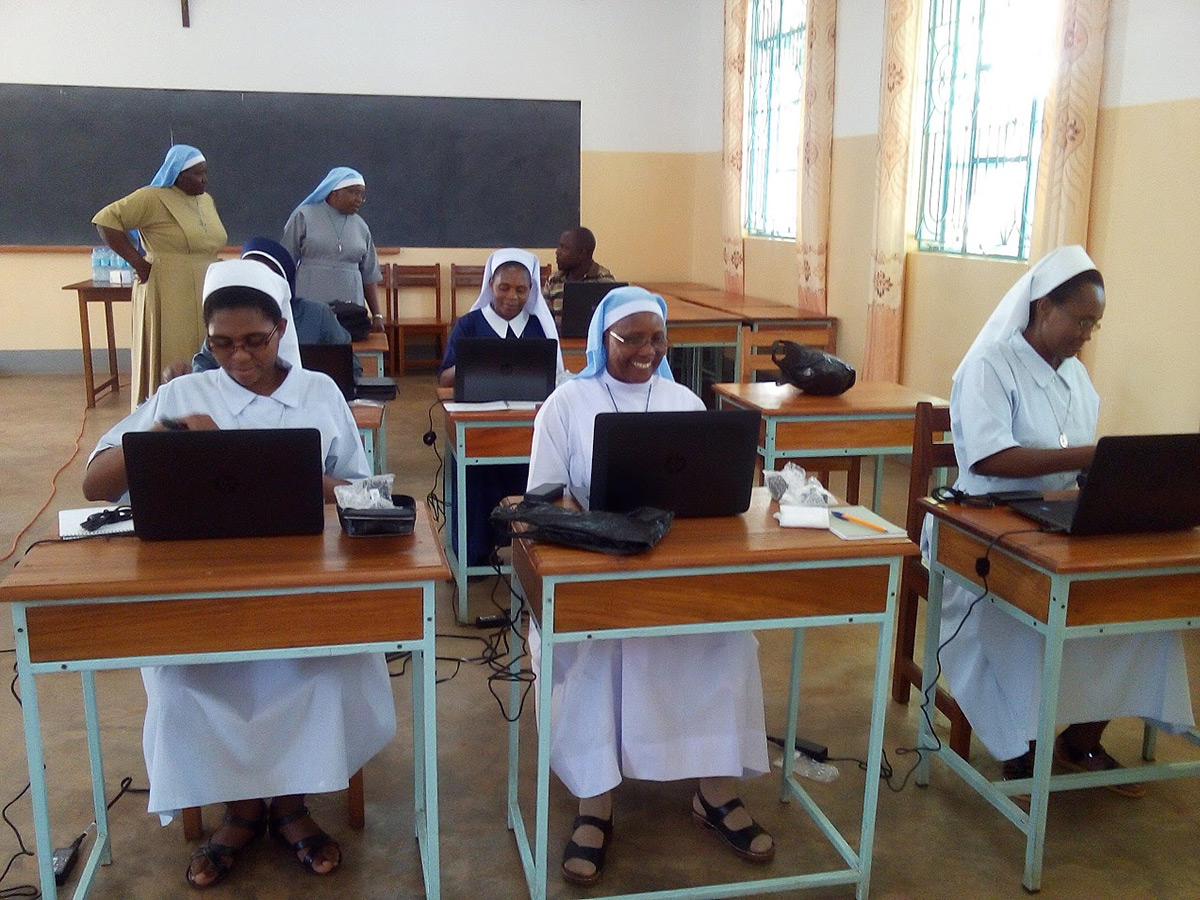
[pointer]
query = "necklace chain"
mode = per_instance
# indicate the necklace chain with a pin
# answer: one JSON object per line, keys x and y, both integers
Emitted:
{"x": 614, "y": 399}
{"x": 337, "y": 228}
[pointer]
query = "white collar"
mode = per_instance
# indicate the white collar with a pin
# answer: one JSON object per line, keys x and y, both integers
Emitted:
{"x": 238, "y": 397}
{"x": 500, "y": 325}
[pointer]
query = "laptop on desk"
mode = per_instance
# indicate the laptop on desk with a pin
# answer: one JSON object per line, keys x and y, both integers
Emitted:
{"x": 224, "y": 484}
{"x": 492, "y": 368}
{"x": 1137, "y": 483}
{"x": 691, "y": 463}
{"x": 337, "y": 361}
{"x": 579, "y": 302}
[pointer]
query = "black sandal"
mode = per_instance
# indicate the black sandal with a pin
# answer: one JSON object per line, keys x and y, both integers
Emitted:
{"x": 221, "y": 856}
{"x": 310, "y": 846}
{"x": 739, "y": 841}
{"x": 594, "y": 855}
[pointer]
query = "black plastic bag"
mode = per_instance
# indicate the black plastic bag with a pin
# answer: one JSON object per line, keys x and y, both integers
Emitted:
{"x": 353, "y": 318}
{"x": 813, "y": 371}
{"x": 621, "y": 534}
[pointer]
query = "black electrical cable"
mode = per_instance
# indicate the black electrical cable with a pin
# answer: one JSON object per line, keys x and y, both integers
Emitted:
{"x": 437, "y": 503}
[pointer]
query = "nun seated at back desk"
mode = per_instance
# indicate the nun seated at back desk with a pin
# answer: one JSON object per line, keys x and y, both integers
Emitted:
{"x": 510, "y": 305}
{"x": 245, "y": 733}
{"x": 659, "y": 708}
{"x": 1024, "y": 415}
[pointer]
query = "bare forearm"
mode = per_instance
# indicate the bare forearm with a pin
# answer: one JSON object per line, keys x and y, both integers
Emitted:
{"x": 446, "y": 379}
{"x": 371, "y": 295}
{"x": 1026, "y": 462}
{"x": 105, "y": 478}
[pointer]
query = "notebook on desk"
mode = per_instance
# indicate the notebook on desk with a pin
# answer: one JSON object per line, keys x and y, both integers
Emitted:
{"x": 337, "y": 361}
{"x": 691, "y": 463}
{"x": 1137, "y": 483}
{"x": 490, "y": 368}
{"x": 222, "y": 484}
{"x": 580, "y": 299}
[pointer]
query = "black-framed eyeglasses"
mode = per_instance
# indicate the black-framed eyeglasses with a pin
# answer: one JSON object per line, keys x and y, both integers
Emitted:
{"x": 252, "y": 342}
{"x": 637, "y": 342}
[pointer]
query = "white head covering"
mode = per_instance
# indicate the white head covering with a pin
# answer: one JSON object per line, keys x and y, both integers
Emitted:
{"x": 179, "y": 157}
{"x": 535, "y": 305}
{"x": 1012, "y": 313}
{"x": 251, "y": 274}
{"x": 620, "y": 303}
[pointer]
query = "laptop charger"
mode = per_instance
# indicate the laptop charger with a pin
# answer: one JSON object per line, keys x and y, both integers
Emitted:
{"x": 811, "y": 749}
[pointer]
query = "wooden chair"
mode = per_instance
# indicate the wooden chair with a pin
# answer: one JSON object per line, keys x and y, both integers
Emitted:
{"x": 757, "y": 365}
{"x": 932, "y": 449}
{"x": 400, "y": 328}
{"x": 470, "y": 277}
{"x": 193, "y": 826}
{"x": 544, "y": 273}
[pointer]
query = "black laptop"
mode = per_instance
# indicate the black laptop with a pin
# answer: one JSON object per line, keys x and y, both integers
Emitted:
{"x": 337, "y": 361}
{"x": 223, "y": 484}
{"x": 492, "y": 368}
{"x": 1137, "y": 483}
{"x": 580, "y": 299}
{"x": 691, "y": 463}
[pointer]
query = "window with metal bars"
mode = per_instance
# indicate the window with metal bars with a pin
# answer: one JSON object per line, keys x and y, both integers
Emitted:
{"x": 774, "y": 72}
{"x": 987, "y": 67}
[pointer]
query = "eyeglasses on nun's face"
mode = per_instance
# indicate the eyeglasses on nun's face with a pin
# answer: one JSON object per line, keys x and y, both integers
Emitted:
{"x": 251, "y": 343}
{"x": 638, "y": 341}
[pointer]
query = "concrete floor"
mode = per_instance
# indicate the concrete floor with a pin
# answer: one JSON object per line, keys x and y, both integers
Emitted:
{"x": 937, "y": 842}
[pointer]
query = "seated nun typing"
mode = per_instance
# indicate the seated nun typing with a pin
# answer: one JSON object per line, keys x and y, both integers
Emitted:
{"x": 1024, "y": 415}
{"x": 658, "y": 708}
{"x": 510, "y": 305}
{"x": 257, "y": 736}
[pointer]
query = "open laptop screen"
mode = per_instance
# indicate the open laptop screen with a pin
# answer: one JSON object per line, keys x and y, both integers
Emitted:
{"x": 580, "y": 299}
{"x": 489, "y": 368}
{"x": 691, "y": 463}
{"x": 227, "y": 483}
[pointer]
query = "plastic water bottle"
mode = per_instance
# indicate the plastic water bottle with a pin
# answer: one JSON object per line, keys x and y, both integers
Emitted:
{"x": 98, "y": 273}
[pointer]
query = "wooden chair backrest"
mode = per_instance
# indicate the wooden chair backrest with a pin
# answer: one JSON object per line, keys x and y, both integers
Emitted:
{"x": 933, "y": 448}
{"x": 756, "y": 346}
{"x": 417, "y": 277}
{"x": 464, "y": 277}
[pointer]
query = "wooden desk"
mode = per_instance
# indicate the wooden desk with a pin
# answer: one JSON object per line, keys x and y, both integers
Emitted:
{"x": 474, "y": 438}
{"x": 108, "y": 294}
{"x": 369, "y": 419}
{"x": 696, "y": 331}
{"x": 118, "y": 602}
{"x": 1063, "y": 588}
{"x": 873, "y": 418}
{"x": 371, "y": 352}
{"x": 737, "y": 573}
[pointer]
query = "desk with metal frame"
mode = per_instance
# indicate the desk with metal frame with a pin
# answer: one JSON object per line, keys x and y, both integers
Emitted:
{"x": 107, "y": 294}
{"x": 873, "y": 418}
{"x": 737, "y": 573}
{"x": 1063, "y": 588}
{"x": 118, "y": 602}
{"x": 371, "y": 351}
{"x": 368, "y": 417}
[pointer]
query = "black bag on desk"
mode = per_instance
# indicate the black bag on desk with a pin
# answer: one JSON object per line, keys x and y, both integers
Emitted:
{"x": 813, "y": 371}
{"x": 353, "y": 318}
{"x": 621, "y": 534}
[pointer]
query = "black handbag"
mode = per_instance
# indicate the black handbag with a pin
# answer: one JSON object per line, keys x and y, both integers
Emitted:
{"x": 621, "y": 534}
{"x": 353, "y": 318}
{"x": 813, "y": 371}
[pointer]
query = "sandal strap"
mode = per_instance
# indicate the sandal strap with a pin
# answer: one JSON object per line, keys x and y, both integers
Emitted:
{"x": 219, "y": 856}
{"x": 738, "y": 838}
{"x": 594, "y": 855}
{"x": 604, "y": 825}
{"x": 254, "y": 826}
{"x": 311, "y": 845}
{"x": 717, "y": 814}
{"x": 278, "y": 822}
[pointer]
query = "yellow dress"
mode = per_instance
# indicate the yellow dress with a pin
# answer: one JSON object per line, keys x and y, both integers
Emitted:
{"x": 182, "y": 235}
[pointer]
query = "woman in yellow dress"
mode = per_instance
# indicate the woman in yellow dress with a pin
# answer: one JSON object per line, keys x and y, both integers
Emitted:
{"x": 182, "y": 233}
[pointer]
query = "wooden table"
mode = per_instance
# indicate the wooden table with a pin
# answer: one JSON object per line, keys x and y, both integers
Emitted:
{"x": 369, "y": 419}
{"x": 371, "y": 351}
{"x": 737, "y": 573}
{"x": 873, "y": 418}
{"x": 1063, "y": 588}
{"x": 476, "y": 438}
{"x": 118, "y": 602}
{"x": 107, "y": 294}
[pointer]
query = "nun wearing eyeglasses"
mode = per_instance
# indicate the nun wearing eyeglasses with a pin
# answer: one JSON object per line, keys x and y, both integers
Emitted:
{"x": 661, "y": 708}
{"x": 256, "y": 736}
{"x": 1024, "y": 414}
{"x": 332, "y": 245}
{"x": 182, "y": 233}
{"x": 510, "y": 305}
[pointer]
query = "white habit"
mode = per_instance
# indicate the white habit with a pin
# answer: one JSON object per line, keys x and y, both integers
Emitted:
{"x": 659, "y": 709}
{"x": 231, "y": 731}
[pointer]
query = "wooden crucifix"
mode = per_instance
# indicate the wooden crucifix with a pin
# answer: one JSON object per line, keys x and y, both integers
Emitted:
{"x": 187, "y": 18}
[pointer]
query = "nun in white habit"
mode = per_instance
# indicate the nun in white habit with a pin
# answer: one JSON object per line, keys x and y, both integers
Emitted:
{"x": 247, "y": 732}
{"x": 1024, "y": 413}
{"x": 663, "y": 708}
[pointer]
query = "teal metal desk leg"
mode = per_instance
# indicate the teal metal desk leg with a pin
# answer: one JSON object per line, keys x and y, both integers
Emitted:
{"x": 789, "y": 741}
{"x": 926, "y": 740}
{"x": 99, "y": 802}
{"x": 877, "y": 490}
{"x": 34, "y": 753}
{"x": 425, "y": 755}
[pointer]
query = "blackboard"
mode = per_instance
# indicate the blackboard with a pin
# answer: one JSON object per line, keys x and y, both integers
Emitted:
{"x": 440, "y": 171}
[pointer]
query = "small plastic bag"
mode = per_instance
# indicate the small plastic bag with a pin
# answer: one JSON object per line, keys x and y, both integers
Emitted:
{"x": 372, "y": 492}
{"x": 792, "y": 486}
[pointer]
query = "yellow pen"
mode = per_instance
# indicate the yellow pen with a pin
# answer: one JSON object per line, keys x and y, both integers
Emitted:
{"x": 857, "y": 521}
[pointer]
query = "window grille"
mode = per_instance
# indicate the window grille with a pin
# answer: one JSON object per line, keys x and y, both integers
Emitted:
{"x": 987, "y": 67}
{"x": 775, "y": 39}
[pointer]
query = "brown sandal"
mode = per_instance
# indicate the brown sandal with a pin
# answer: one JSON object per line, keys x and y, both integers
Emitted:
{"x": 222, "y": 856}
{"x": 310, "y": 846}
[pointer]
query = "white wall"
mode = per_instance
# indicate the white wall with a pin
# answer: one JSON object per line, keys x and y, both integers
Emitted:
{"x": 648, "y": 72}
{"x": 1151, "y": 54}
{"x": 860, "y": 28}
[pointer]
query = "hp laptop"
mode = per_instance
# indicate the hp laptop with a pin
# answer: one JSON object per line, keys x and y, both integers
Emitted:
{"x": 223, "y": 484}
{"x": 580, "y": 299}
{"x": 1137, "y": 483}
{"x": 337, "y": 361}
{"x": 490, "y": 368}
{"x": 691, "y": 463}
